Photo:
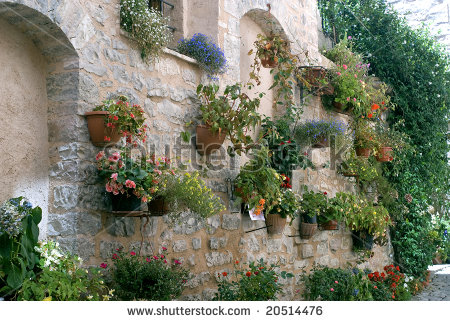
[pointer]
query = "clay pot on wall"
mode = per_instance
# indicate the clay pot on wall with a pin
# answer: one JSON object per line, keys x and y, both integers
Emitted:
{"x": 308, "y": 226}
{"x": 268, "y": 62}
{"x": 321, "y": 143}
{"x": 206, "y": 141}
{"x": 98, "y": 129}
{"x": 275, "y": 223}
{"x": 363, "y": 152}
{"x": 384, "y": 154}
{"x": 124, "y": 203}
{"x": 330, "y": 225}
{"x": 158, "y": 207}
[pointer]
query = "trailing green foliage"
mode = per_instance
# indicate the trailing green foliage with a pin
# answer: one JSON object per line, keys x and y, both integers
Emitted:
{"x": 19, "y": 234}
{"x": 416, "y": 67}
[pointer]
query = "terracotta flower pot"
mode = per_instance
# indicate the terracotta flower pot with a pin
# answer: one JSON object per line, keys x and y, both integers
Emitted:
{"x": 322, "y": 142}
{"x": 98, "y": 129}
{"x": 206, "y": 141}
{"x": 158, "y": 207}
{"x": 313, "y": 75}
{"x": 384, "y": 154}
{"x": 327, "y": 90}
{"x": 275, "y": 223}
{"x": 363, "y": 152}
{"x": 268, "y": 62}
{"x": 124, "y": 203}
{"x": 307, "y": 230}
{"x": 330, "y": 225}
{"x": 349, "y": 174}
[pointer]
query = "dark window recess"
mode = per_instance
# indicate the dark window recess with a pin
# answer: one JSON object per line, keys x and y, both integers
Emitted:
{"x": 161, "y": 6}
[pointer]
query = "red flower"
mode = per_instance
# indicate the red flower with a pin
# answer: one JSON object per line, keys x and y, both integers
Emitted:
{"x": 397, "y": 268}
{"x": 164, "y": 248}
{"x": 115, "y": 118}
{"x": 103, "y": 265}
{"x": 370, "y": 115}
{"x": 236, "y": 262}
{"x": 115, "y": 256}
{"x": 383, "y": 275}
{"x": 261, "y": 268}
{"x": 288, "y": 141}
{"x": 132, "y": 253}
{"x": 256, "y": 272}
{"x": 224, "y": 273}
{"x": 282, "y": 143}
{"x": 370, "y": 275}
{"x": 375, "y": 107}
{"x": 248, "y": 273}
{"x": 375, "y": 287}
{"x": 325, "y": 193}
{"x": 107, "y": 139}
{"x": 377, "y": 274}
{"x": 131, "y": 115}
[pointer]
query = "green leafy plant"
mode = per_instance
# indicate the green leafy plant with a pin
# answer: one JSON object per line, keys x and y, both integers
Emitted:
{"x": 258, "y": 282}
{"x": 146, "y": 278}
{"x": 202, "y": 48}
{"x": 313, "y": 203}
{"x": 258, "y": 183}
{"x": 285, "y": 153}
{"x": 359, "y": 166}
{"x": 365, "y": 135}
{"x": 415, "y": 66}
{"x": 19, "y": 234}
{"x": 233, "y": 113}
{"x": 272, "y": 48}
{"x": 127, "y": 118}
{"x": 314, "y": 131}
{"x": 62, "y": 279}
{"x": 288, "y": 203}
{"x": 328, "y": 284}
{"x": 146, "y": 26}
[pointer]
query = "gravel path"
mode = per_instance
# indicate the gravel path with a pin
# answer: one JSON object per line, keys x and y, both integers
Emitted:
{"x": 439, "y": 289}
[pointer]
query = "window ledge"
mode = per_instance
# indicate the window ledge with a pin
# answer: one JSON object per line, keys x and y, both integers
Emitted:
{"x": 181, "y": 56}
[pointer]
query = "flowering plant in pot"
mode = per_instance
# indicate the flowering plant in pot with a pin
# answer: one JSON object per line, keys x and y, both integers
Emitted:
{"x": 366, "y": 140}
{"x": 318, "y": 132}
{"x": 389, "y": 285}
{"x": 312, "y": 205}
{"x": 329, "y": 219}
{"x": 230, "y": 115}
{"x": 114, "y": 119}
{"x": 259, "y": 184}
{"x": 147, "y": 26}
{"x": 130, "y": 180}
{"x": 209, "y": 56}
{"x": 270, "y": 49}
{"x": 285, "y": 207}
{"x": 359, "y": 167}
{"x": 390, "y": 140}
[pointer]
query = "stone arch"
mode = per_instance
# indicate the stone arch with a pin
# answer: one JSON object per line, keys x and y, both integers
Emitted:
{"x": 42, "y": 104}
{"x": 252, "y": 23}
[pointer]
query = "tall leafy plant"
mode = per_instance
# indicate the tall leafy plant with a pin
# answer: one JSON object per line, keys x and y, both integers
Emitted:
{"x": 19, "y": 234}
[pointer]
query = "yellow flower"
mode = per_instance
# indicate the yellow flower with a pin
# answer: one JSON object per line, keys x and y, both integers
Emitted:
{"x": 49, "y": 298}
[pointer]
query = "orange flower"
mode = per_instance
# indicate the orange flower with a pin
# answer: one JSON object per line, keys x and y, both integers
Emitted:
{"x": 375, "y": 107}
{"x": 248, "y": 273}
{"x": 262, "y": 201}
{"x": 370, "y": 115}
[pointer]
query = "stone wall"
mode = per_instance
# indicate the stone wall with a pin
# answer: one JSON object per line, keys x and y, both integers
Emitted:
{"x": 93, "y": 60}
{"x": 435, "y": 13}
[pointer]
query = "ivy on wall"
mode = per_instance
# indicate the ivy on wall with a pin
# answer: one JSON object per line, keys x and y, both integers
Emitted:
{"x": 416, "y": 67}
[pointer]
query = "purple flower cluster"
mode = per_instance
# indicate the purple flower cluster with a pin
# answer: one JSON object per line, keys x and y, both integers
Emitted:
{"x": 202, "y": 48}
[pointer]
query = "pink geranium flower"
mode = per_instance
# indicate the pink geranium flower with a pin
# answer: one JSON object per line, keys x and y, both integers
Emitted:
{"x": 132, "y": 253}
{"x": 345, "y": 67}
{"x": 130, "y": 184}
{"x": 114, "y": 176}
{"x": 100, "y": 155}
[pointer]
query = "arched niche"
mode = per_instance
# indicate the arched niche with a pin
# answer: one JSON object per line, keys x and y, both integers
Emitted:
{"x": 33, "y": 52}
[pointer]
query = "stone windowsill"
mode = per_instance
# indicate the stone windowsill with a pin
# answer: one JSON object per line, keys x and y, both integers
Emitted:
{"x": 165, "y": 50}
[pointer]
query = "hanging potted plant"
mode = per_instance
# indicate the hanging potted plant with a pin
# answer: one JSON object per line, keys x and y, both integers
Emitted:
{"x": 270, "y": 49}
{"x": 285, "y": 206}
{"x": 365, "y": 221}
{"x": 366, "y": 140}
{"x": 114, "y": 119}
{"x": 259, "y": 184}
{"x": 129, "y": 181}
{"x": 317, "y": 133}
{"x": 360, "y": 167}
{"x": 231, "y": 115}
{"x": 329, "y": 220}
{"x": 312, "y": 205}
{"x": 389, "y": 139}
{"x": 315, "y": 78}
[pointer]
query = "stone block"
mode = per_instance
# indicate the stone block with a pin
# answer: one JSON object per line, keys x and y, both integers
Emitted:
{"x": 307, "y": 251}
{"x": 120, "y": 226}
{"x": 66, "y": 196}
{"x": 300, "y": 264}
{"x": 231, "y": 221}
{"x": 199, "y": 280}
{"x": 107, "y": 248}
{"x": 218, "y": 258}
{"x": 323, "y": 260}
{"x": 274, "y": 245}
{"x": 196, "y": 243}
{"x": 322, "y": 248}
{"x": 149, "y": 226}
{"x": 179, "y": 246}
{"x": 144, "y": 249}
{"x": 335, "y": 243}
